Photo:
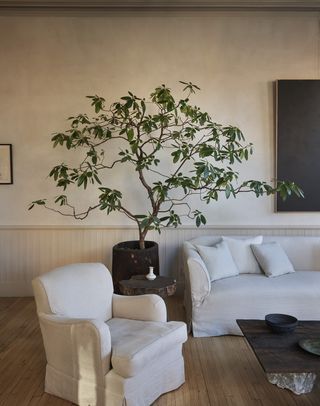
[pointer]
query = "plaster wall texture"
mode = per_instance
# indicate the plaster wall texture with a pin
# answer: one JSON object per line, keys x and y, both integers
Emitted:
{"x": 50, "y": 62}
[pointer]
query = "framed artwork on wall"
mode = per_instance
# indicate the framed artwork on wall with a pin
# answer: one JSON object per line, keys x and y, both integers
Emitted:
{"x": 298, "y": 142}
{"x": 6, "y": 177}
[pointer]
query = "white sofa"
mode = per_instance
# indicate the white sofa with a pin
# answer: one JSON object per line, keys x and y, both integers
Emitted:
{"x": 212, "y": 308}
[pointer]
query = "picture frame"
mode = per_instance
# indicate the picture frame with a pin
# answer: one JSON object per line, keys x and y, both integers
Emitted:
{"x": 6, "y": 175}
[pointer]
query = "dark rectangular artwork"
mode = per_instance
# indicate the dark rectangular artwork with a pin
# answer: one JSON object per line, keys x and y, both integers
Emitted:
{"x": 298, "y": 141}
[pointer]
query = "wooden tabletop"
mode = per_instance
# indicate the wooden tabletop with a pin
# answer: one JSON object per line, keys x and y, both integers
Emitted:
{"x": 140, "y": 285}
{"x": 281, "y": 353}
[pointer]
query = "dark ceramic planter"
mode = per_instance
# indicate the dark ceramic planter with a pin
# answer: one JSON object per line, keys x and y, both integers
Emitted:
{"x": 128, "y": 260}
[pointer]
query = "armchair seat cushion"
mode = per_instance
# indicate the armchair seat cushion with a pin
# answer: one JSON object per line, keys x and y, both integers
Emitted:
{"x": 136, "y": 343}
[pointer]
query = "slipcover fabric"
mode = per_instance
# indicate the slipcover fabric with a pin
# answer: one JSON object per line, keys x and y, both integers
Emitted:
{"x": 76, "y": 294}
{"x": 137, "y": 343}
{"x": 212, "y": 308}
{"x": 153, "y": 377}
{"x": 81, "y": 319}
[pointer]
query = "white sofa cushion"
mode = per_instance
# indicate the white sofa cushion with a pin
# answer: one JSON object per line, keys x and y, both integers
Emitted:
{"x": 242, "y": 254}
{"x": 218, "y": 260}
{"x": 272, "y": 259}
{"x": 136, "y": 344}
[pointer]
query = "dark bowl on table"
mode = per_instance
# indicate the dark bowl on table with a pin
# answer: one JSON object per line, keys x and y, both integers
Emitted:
{"x": 281, "y": 323}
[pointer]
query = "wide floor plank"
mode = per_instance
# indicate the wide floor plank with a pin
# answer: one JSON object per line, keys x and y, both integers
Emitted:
{"x": 220, "y": 371}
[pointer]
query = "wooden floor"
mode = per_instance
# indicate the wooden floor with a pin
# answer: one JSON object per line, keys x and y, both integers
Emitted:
{"x": 219, "y": 371}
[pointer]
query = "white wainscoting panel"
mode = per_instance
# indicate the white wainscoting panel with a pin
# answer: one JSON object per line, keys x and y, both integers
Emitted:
{"x": 26, "y": 252}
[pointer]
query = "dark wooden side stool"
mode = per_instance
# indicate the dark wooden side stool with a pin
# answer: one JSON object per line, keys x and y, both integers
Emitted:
{"x": 140, "y": 285}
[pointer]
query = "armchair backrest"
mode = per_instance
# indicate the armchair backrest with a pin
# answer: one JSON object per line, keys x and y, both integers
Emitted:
{"x": 75, "y": 291}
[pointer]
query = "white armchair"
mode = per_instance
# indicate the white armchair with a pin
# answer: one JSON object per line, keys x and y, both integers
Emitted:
{"x": 105, "y": 349}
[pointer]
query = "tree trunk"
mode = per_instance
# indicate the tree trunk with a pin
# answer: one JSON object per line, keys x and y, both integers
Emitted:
{"x": 142, "y": 237}
{"x": 141, "y": 244}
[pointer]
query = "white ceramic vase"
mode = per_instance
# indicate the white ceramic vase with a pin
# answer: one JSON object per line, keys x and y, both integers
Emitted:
{"x": 151, "y": 276}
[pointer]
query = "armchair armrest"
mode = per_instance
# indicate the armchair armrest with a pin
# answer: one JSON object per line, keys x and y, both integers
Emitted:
{"x": 142, "y": 307}
{"x": 77, "y": 347}
{"x": 200, "y": 285}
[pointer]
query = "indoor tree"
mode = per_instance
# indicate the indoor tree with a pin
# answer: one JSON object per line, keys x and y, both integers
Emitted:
{"x": 202, "y": 152}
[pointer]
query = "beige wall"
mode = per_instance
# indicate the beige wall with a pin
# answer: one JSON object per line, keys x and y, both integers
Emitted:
{"x": 49, "y": 63}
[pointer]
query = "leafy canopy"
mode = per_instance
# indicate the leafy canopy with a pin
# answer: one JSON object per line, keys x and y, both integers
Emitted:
{"x": 203, "y": 154}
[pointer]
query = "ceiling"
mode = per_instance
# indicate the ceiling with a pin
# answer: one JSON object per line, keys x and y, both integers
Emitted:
{"x": 312, "y": 5}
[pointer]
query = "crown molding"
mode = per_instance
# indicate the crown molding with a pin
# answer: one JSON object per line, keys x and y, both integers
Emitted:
{"x": 286, "y": 5}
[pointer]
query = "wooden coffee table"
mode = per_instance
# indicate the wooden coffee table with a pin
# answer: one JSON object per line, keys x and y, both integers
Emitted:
{"x": 285, "y": 363}
{"x": 140, "y": 285}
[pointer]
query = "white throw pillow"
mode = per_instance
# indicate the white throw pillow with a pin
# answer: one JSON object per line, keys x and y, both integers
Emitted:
{"x": 272, "y": 258}
{"x": 242, "y": 254}
{"x": 218, "y": 260}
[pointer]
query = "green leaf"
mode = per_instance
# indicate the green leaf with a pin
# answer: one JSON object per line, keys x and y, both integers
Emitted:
{"x": 205, "y": 151}
{"x": 228, "y": 191}
{"x": 134, "y": 147}
{"x": 40, "y": 202}
{"x": 165, "y": 218}
{"x": 130, "y": 134}
{"x": 176, "y": 156}
{"x": 62, "y": 200}
{"x": 97, "y": 179}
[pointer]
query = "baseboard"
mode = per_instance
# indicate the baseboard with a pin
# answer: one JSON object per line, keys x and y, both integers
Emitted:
{"x": 16, "y": 289}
